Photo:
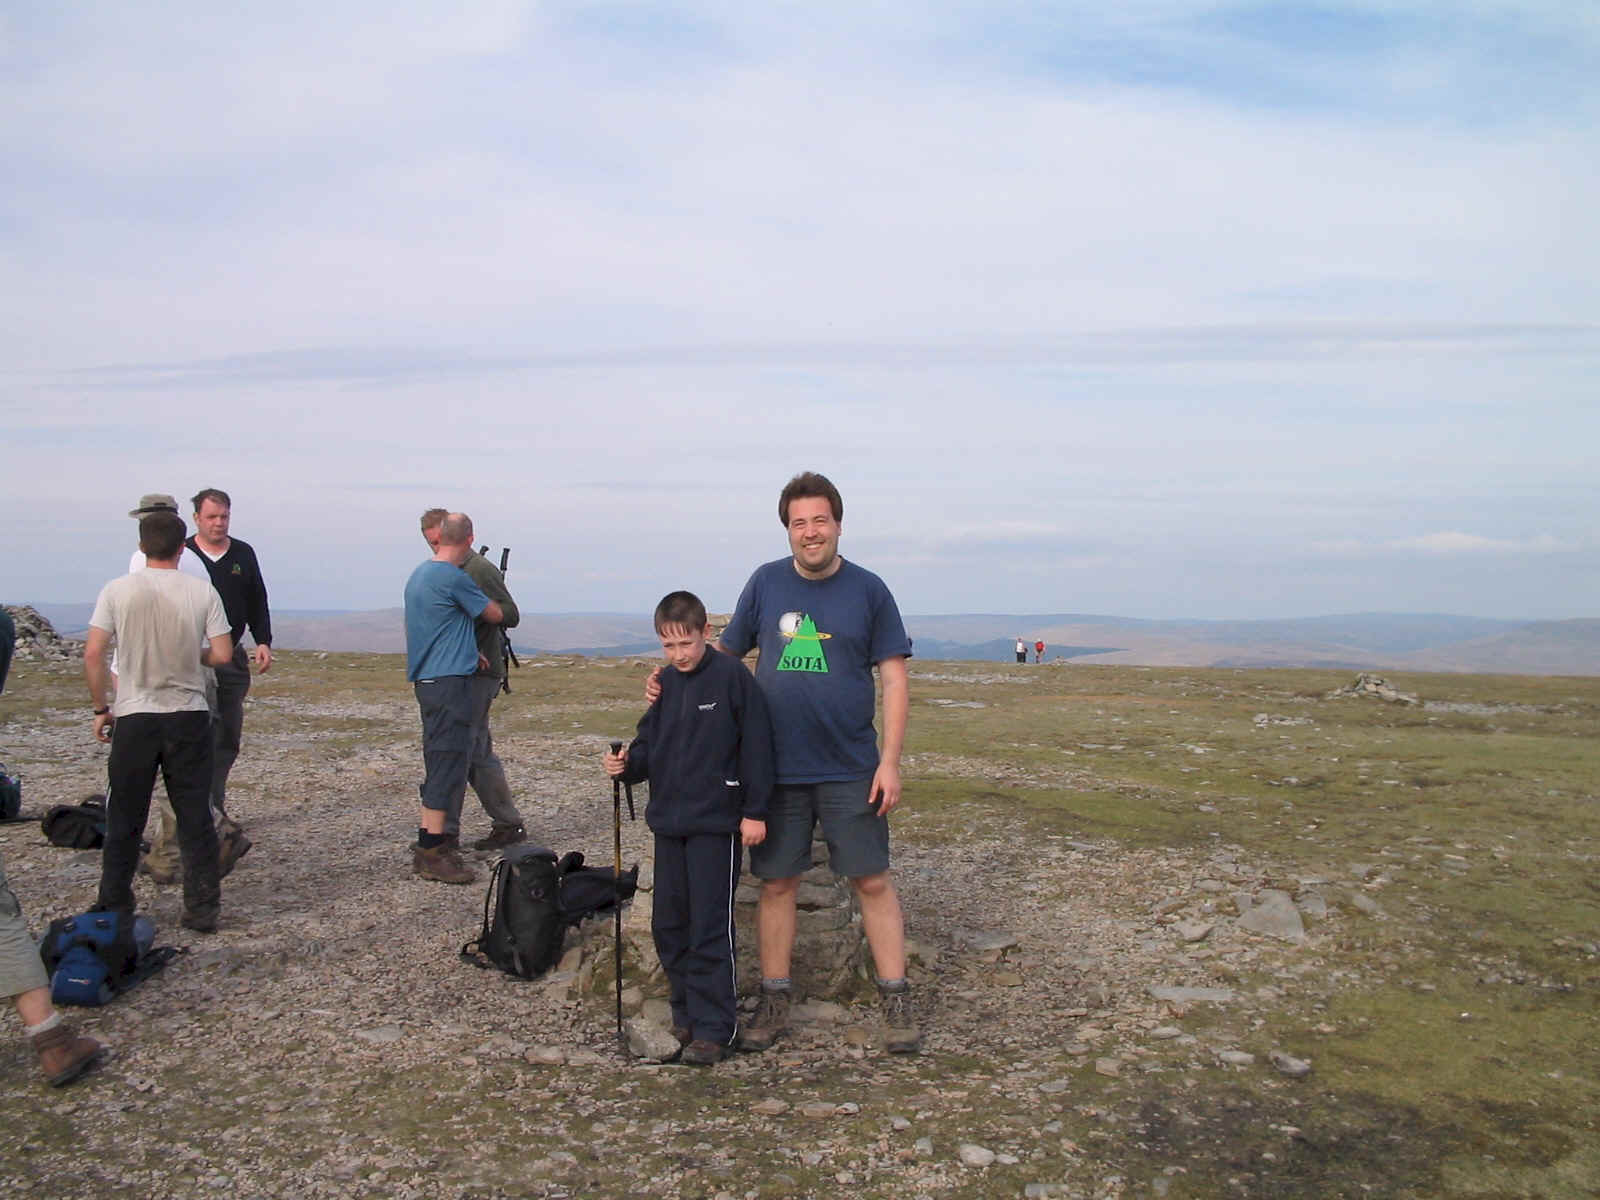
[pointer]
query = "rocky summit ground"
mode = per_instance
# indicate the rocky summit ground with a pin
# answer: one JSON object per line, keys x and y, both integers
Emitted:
{"x": 1100, "y": 1019}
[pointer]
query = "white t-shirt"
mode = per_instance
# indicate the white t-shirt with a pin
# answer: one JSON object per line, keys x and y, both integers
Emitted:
{"x": 160, "y": 618}
{"x": 188, "y": 564}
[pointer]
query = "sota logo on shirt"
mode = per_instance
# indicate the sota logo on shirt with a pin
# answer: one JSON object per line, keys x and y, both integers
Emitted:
{"x": 802, "y": 649}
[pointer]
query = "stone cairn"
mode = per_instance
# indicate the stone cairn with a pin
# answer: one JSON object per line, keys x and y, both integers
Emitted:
{"x": 37, "y": 639}
{"x": 1367, "y": 684}
{"x": 831, "y": 960}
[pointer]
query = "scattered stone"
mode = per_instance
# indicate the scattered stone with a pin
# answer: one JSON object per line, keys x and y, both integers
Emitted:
{"x": 973, "y": 1155}
{"x": 1294, "y": 1068}
{"x": 1165, "y": 1033}
{"x": 818, "y": 1109}
{"x": 770, "y": 1107}
{"x": 1236, "y": 1058}
{"x": 820, "y": 1012}
{"x": 1194, "y": 931}
{"x": 382, "y": 1035}
{"x": 650, "y": 1041}
{"x": 546, "y": 1056}
{"x": 1192, "y": 995}
{"x": 1108, "y": 1066}
{"x": 1275, "y": 916}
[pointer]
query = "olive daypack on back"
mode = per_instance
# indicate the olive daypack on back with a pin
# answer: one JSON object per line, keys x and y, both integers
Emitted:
{"x": 532, "y": 899}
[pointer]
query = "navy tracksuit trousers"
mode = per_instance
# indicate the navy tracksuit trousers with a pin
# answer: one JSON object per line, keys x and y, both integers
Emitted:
{"x": 692, "y": 921}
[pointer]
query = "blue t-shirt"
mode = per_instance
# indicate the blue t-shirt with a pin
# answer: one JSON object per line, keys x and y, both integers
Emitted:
{"x": 819, "y": 640}
{"x": 441, "y": 604}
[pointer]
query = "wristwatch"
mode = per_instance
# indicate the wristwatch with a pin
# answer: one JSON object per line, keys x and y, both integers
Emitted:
{"x": 100, "y": 712}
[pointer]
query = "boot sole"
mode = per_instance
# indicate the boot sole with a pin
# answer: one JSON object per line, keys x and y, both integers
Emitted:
{"x": 66, "y": 1076}
{"x": 441, "y": 879}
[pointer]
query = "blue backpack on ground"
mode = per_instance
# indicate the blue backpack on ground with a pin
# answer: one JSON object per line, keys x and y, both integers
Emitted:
{"x": 93, "y": 956}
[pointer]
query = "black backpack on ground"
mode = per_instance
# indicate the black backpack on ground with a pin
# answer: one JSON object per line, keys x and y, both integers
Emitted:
{"x": 76, "y": 826}
{"x": 592, "y": 891}
{"x": 532, "y": 899}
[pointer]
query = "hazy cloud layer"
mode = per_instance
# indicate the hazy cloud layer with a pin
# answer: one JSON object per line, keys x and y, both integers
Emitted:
{"x": 1161, "y": 308}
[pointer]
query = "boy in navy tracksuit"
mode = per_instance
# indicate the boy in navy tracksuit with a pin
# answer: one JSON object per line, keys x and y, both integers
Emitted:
{"x": 706, "y": 748}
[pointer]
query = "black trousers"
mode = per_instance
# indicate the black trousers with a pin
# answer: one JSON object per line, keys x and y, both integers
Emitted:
{"x": 227, "y": 731}
{"x": 692, "y": 921}
{"x": 179, "y": 746}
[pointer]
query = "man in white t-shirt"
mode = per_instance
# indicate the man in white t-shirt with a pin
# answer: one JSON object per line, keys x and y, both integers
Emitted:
{"x": 161, "y": 862}
{"x": 160, "y": 619}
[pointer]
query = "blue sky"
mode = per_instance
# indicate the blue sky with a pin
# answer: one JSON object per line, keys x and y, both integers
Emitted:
{"x": 1154, "y": 309}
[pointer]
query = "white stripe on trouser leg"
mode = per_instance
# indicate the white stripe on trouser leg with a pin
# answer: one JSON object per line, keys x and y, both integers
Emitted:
{"x": 733, "y": 965}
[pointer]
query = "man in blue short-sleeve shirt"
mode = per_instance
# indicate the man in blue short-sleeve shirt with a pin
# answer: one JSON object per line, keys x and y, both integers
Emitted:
{"x": 442, "y": 603}
{"x": 822, "y": 624}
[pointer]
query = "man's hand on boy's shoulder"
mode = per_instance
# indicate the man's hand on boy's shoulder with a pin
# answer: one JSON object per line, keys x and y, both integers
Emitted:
{"x": 752, "y": 832}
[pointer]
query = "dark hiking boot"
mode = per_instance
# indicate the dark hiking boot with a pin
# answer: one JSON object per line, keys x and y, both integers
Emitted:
{"x": 232, "y": 845}
{"x": 900, "y": 1034}
{"x": 769, "y": 1024}
{"x": 64, "y": 1053}
{"x": 201, "y": 920}
{"x": 442, "y": 864}
{"x": 701, "y": 1053}
{"x": 500, "y": 836}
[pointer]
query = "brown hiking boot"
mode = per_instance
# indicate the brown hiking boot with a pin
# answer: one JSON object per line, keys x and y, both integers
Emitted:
{"x": 900, "y": 1034}
{"x": 501, "y": 835}
{"x": 158, "y": 872}
{"x": 701, "y": 1053}
{"x": 232, "y": 845}
{"x": 770, "y": 1022}
{"x": 64, "y": 1054}
{"x": 442, "y": 864}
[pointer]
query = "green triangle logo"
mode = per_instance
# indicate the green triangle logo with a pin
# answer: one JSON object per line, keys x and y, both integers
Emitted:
{"x": 804, "y": 651}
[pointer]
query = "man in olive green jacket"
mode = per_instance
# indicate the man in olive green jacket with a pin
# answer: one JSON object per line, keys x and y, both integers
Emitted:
{"x": 487, "y": 776}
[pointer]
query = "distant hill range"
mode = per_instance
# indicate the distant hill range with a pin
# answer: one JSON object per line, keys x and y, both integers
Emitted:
{"x": 1395, "y": 641}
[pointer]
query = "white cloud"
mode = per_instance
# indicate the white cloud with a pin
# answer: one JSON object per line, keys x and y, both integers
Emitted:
{"x": 1457, "y": 542}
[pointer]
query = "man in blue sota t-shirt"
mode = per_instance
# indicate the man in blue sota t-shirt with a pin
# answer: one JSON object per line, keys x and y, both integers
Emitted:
{"x": 822, "y": 624}
{"x": 441, "y": 657}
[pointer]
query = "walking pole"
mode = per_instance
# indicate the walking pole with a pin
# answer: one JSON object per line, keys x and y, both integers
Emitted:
{"x": 616, "y": 844}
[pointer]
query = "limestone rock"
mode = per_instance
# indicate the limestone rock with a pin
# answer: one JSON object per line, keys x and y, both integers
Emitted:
{"x": 650, "y": 1041}
{"x": 1275, "y": 916}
